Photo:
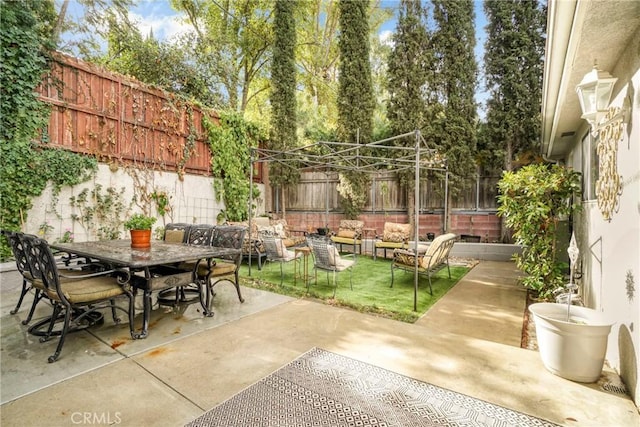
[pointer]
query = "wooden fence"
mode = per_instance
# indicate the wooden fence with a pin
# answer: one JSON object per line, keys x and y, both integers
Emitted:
{"x": 317, "y": 191}
{"x": 116, "y": 118}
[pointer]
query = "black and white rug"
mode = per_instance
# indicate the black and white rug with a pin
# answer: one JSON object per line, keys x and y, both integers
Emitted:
{"x": 321, "y": 388}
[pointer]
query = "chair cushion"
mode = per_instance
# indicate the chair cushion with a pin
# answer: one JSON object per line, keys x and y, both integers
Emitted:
{"x": 334, "y": 255}
{"x": 343, "y": 264}
{"x": 174, "y": 236}
{"x": 223, "y": 268}
{"x": 349, "y": 234}
{"x": 391, "y": 245}
{"x": 88, "y": 290}
{"x": 429, "y": 260}
{"x": 394, "y": 232}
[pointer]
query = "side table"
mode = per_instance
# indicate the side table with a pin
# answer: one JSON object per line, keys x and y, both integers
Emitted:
{"x": 302, "y": 271}
{"x": 365, "y": 237}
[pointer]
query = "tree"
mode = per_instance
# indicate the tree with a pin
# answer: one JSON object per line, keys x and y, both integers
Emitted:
{"x": 231, "y": 43}
{"x": 283, "y": 93}
{"x": 161, "y": 64}
{"x": 408, "y": 67}
{"x": 514, "y": 57}
{"x": 355, "y": 95}
{"x": 85, "y": 33}
{"x": 454, "y": 83}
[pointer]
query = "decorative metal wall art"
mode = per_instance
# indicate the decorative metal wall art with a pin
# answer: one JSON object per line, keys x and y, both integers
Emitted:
{"x": 609, "y": 183}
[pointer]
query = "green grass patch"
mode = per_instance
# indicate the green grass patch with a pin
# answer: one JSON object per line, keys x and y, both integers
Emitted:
{"x": 371, "y": 291}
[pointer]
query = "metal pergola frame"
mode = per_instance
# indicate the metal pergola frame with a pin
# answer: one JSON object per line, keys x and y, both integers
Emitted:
{"x": 355, "y": 157}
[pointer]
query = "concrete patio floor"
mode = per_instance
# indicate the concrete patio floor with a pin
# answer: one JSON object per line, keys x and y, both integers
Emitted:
{"x": 468, "y": 342}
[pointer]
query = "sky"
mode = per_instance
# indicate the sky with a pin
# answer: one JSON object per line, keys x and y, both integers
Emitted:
{"x": 159, "y": 17}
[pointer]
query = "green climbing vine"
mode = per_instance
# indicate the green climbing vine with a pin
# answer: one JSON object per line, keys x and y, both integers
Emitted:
{"x": 27, "y": 165}
{"x": 231, "y": 143}
{"x": 101, "y": 213}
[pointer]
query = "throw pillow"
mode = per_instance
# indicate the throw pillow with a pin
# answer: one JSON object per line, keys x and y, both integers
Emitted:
{"x": 349, "y": 234}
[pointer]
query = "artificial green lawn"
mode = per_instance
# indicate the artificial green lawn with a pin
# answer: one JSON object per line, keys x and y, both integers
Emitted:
{"x": 371, "y": 291}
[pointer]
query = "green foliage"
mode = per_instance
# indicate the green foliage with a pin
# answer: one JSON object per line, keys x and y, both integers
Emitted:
{"x": 139, "y": 222}
{"x": 163, "y": 203}
{"x": 100, "y": 213}
{"x": 453, "y": 80}
{"x": 355, "y": 96}
{"x": 514, "y": 58}
{"x": 408, "y": 67}
{"x": 231, "y": 142}
{"x": 25, "y": 166}
{"x": 230, "y": 47}
{"x": 355, "y": 91}
{"x": 532, "y": 201}
{"x": 283, "y": 91}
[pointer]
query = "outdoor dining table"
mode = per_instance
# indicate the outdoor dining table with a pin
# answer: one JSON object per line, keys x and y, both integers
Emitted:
{"x": 118, "y": 253}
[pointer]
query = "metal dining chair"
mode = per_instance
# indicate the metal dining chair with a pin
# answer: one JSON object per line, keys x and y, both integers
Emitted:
{"x": 225, "y": 268}
{"x": 19, "y": 253}
{"x": 327, "y": 258}
{"x": 278, "y": 252}
{"x": 199, "y": 234}
{"x": 75, "y": 298}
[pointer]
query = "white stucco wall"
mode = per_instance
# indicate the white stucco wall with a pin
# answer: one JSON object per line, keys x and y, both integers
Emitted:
{"x": 610, "y": 250}
{"x": 192, "y": 201}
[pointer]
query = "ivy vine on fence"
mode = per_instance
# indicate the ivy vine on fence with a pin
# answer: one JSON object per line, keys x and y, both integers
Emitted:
{"x": 27, "y": 165}
{"x": 231, "y": 143}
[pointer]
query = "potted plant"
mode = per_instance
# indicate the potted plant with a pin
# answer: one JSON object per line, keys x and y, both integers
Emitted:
{"x": 140, "y": 227}
{"x": 532, "y": 202}
{"x": 572, "y": 340}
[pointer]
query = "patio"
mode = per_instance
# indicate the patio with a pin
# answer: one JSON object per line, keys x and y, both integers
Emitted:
{"x": 468, "y": 342}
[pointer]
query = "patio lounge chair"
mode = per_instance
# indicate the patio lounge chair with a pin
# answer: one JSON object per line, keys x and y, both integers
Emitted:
{"x": 327, "y": 258}
{"x": 394, "y": 236}
{"x": 435, "y": 258}
{"x": 349, "y": 233}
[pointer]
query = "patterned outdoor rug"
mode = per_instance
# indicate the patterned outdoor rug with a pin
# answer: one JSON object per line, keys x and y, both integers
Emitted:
{"x": 321, "y": 388}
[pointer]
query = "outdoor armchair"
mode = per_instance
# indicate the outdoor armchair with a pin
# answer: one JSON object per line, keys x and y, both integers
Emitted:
{"x": 75, "y": 298}
{"x": 327, "y": 258}
{"x": 252, "y": 245}
{"x": 394, "y": 236}
{"x": 436, "y": 256}
{"x": 17, "y": 247}
{"x": 278, "y": 252}
{"x": 349, "y": 233}
{"x": 211, "y": 272}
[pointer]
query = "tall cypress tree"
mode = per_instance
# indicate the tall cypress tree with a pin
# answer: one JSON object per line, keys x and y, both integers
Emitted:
{"x": 408, "y": 70}
{"x": 355, "y": 95}
{"x": 514, "y": 57}
{"x": 454, "y": 82}
{"x": 283, "y": 92}
{"x": 355, "y": 91}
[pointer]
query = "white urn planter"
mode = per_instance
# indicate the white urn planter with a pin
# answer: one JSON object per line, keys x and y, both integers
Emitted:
{"x": 573, "y": 349}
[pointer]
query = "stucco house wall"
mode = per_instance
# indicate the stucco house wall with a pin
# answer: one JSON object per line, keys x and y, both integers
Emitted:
{"x": 579, "y": 34}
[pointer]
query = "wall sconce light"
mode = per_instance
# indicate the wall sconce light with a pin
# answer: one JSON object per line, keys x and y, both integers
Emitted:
{"x": 594, "y": 92}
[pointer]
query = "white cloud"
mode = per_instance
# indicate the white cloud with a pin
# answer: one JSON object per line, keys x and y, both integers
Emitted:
{"x": 159, "y": 17}
{"x": 386, "y": 37}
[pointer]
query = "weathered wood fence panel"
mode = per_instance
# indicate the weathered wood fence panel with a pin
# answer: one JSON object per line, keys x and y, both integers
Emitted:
{"x": 118, "y": 119}
{"x": 386, "y": 194}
